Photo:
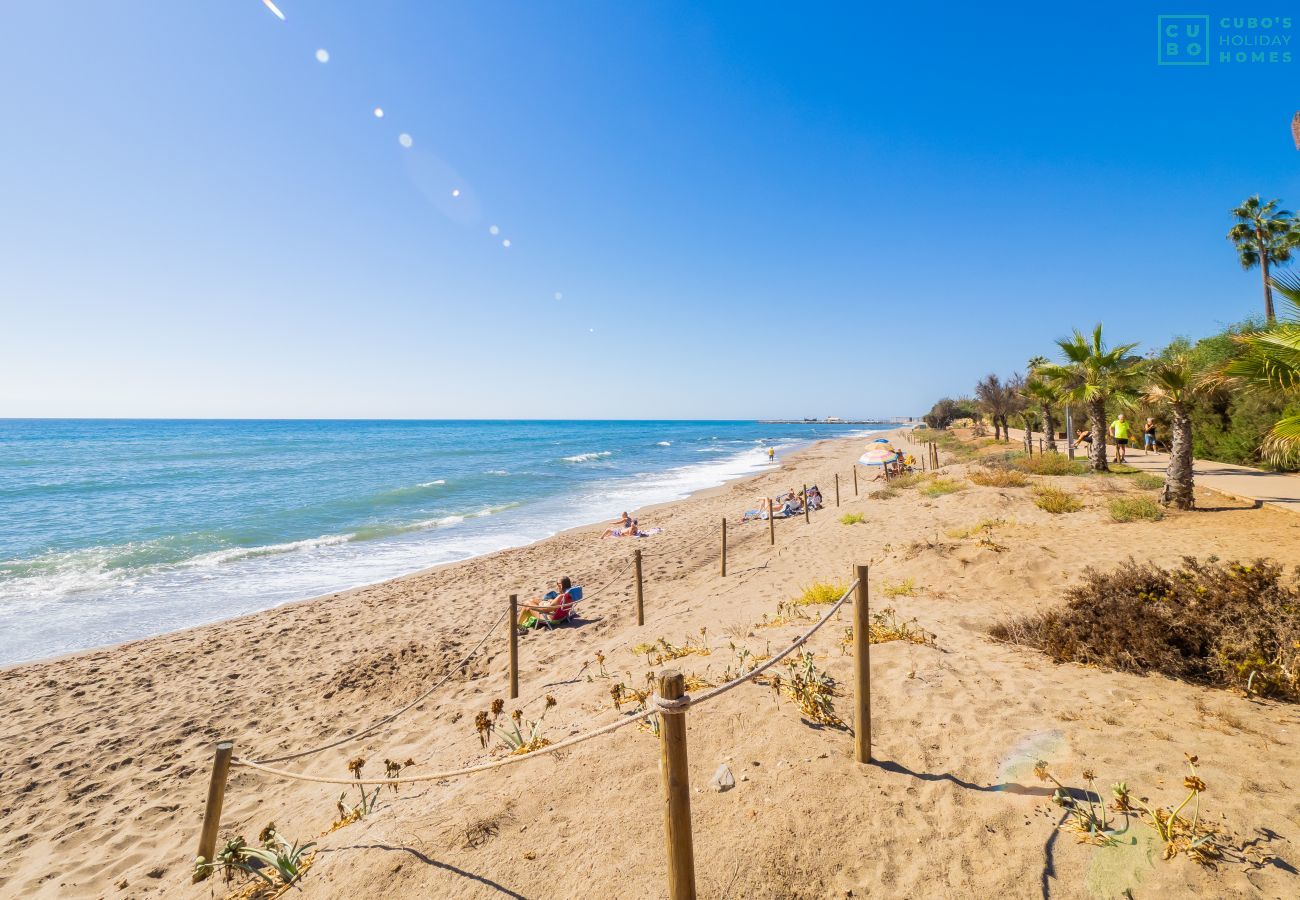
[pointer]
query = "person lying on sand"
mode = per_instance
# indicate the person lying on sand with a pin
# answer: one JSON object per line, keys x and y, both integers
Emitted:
{"x": 553, "y": 607}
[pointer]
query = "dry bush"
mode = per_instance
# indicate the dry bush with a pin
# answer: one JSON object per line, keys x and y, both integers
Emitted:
{"x": 997, "y": 477}
{"x": 1049, "y": 464}
{"x": 1146, "y": 481}
{"x": 1224, "y": 624}
{"x": 1056, "y": 501}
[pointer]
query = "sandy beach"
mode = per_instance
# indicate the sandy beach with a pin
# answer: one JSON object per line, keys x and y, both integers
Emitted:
{"x": 104, "y": 756}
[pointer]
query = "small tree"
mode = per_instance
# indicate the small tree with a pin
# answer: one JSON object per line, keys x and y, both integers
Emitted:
{"x": 1000, "y": 400}
{"x": 1093, "y": 374}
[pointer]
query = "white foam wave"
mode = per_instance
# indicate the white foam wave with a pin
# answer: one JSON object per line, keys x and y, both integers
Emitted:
{"x": 587, "y": 457}
{"x": 664, "y": 444}
{"x": 433, "y": 483}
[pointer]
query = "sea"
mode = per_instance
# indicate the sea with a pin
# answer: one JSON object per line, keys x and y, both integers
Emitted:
{"x": 113, "y": 530}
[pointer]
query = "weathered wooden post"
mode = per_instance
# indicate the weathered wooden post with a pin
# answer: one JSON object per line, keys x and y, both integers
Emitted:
{"x": 806, "y": 505}
{"x": 861, "y": 670}
{"x": 771, "y": 524}
{"x": 724, "y": 546}
{"x": 837, "y": 490}
{"x": 640, "y": 594}
{"x": 855, "y": 479}
{"x": 513, "y": 625}
{"x": 677, "y": 791}
{"x": 212, "y": 811}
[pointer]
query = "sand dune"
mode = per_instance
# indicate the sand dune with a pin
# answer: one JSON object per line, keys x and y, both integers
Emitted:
{"x": 104, "y": 756}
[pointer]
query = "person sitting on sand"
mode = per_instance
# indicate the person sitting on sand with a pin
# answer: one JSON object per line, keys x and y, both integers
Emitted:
{"x": 555, "y": 606}
{"x": 632, "y": 530}
{"x": 624, "y": 521}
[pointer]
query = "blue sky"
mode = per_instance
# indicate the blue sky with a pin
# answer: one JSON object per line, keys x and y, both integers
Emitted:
{"x": 748, "y": 209}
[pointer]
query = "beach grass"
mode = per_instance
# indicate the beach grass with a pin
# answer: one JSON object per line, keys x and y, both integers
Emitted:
{"x": 937, "y": 487}
{"x": 1133, "y": 509}
{"x": 1056, "y": 501}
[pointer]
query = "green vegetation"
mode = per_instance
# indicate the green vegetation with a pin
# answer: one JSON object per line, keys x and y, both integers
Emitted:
{"x": 1229, "y": 625}
{"x": 1056, "y": 501}
{"x": 1132, "y": 509}
{"x": 904, "y": 588}
{"x": 1147, "y": 481}
{"x": 852, "y": 519}
{"x": 821, "y": 592}
{"x": 984, "y": 525}
{"x": 937, "y": 487}
{"x": 1049, "y": 464}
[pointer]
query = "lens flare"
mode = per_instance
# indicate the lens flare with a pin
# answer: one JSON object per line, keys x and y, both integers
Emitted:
{"x": 322, "y": 55}
{"x": 455, "y": 192}
{"x": 379, "y": 112}
{"x": 559, "y": 296}
{"x": 492, "y": 229}
{"x": 273, "y": 8}
{"x": 405, "y": 140}
{"x": 506, "y": 243}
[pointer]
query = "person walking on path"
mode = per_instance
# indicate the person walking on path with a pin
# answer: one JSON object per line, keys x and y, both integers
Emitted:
{"x": 1148, "y": 436}
{"x": 1120, "y": 430}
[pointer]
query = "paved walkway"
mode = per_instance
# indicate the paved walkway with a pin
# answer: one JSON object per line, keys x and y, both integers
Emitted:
{"x": 1252, "y": 485}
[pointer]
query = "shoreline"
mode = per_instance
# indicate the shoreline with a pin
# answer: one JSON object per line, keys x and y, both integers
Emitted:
{"x": 793, "y": 457}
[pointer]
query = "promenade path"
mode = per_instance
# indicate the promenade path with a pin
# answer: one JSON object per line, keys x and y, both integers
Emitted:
{"x": 1244, "y": 483}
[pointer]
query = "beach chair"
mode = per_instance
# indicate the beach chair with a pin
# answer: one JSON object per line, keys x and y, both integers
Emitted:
{"x": 567, "y": 611}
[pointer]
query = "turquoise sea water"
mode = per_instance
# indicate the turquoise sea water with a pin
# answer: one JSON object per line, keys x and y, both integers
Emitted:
{"x": 113, "y": 530}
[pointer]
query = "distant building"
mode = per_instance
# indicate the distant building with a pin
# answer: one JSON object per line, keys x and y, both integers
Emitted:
{"x": 831, "y": 420}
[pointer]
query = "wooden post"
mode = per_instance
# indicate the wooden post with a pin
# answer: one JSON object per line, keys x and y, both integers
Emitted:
{"x": 806, "y": 505}
{"x": 855, "y": 479}
{"x": 724, "y": 546}
{"x": 861, "y": 670}
{"x": 212, "y": 812}
{"x": 514, "y": 646}
{"x": 677, "y": 791}
{"x": 837, "y": 490}
{"x": 640, "y": 594}
{"x": 771, "y": 523}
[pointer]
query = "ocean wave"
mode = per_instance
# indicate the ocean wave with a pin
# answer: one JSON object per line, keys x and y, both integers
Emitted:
{"x": 587, "y": 457}
{"x": 428, "y": 484}
{"x": 664, "y": 444}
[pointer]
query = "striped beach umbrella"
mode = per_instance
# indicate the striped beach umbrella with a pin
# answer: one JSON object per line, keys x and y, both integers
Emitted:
{"x": 878, "y": 456}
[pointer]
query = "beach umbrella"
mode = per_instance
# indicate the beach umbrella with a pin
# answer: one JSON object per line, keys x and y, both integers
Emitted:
{"x": 878, "y": 456}
{"x": 881, "y": 441}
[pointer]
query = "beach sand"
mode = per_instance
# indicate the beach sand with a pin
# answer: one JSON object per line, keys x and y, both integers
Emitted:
{"x": 104, "y": 756}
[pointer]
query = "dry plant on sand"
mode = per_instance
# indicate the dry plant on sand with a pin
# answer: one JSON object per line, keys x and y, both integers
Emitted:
{"x": 661, "y": 651}
{"x": 1056, "y": 501}
{"x": 937, "y": 487}
{"x": 278, "y": 864}
{"x": 1230, "y": 624}
{"x": 986, "y": 476}
{"x": 809, "y": 688}
{"x": 904, "y": 588}
{"x": 885, "y": 627}
{"x": 518, "y": 738}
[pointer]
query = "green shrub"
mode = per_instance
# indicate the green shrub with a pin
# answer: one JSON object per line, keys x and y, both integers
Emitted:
{"x": 821, "y": 592}
{"x": 1131, "y": 509}
{"x": 1056, "y": 501}
{"x": 1148, "y": 481}
{"x": 1229, "y": 625}
{"x": 852, "y": 519}
{"x": 937, "y": 487}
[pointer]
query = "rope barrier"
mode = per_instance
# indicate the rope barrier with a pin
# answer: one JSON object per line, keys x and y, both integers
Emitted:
{"x": 386, "y": 720}
{"x": 659, "y": 705}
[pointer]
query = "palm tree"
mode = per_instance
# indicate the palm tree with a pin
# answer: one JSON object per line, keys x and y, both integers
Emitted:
{"x": 1037, "y": 361}
{"x": 1270, "y": 361}
{"x": 1044, "y": 395}
{"x": 1094, "y": 374}
{"x": 1171, "y": 382}
{"x": 1264, "y": 236}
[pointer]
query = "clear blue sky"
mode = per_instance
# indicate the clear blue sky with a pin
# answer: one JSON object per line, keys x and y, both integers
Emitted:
{"x": 749, "y": 209}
